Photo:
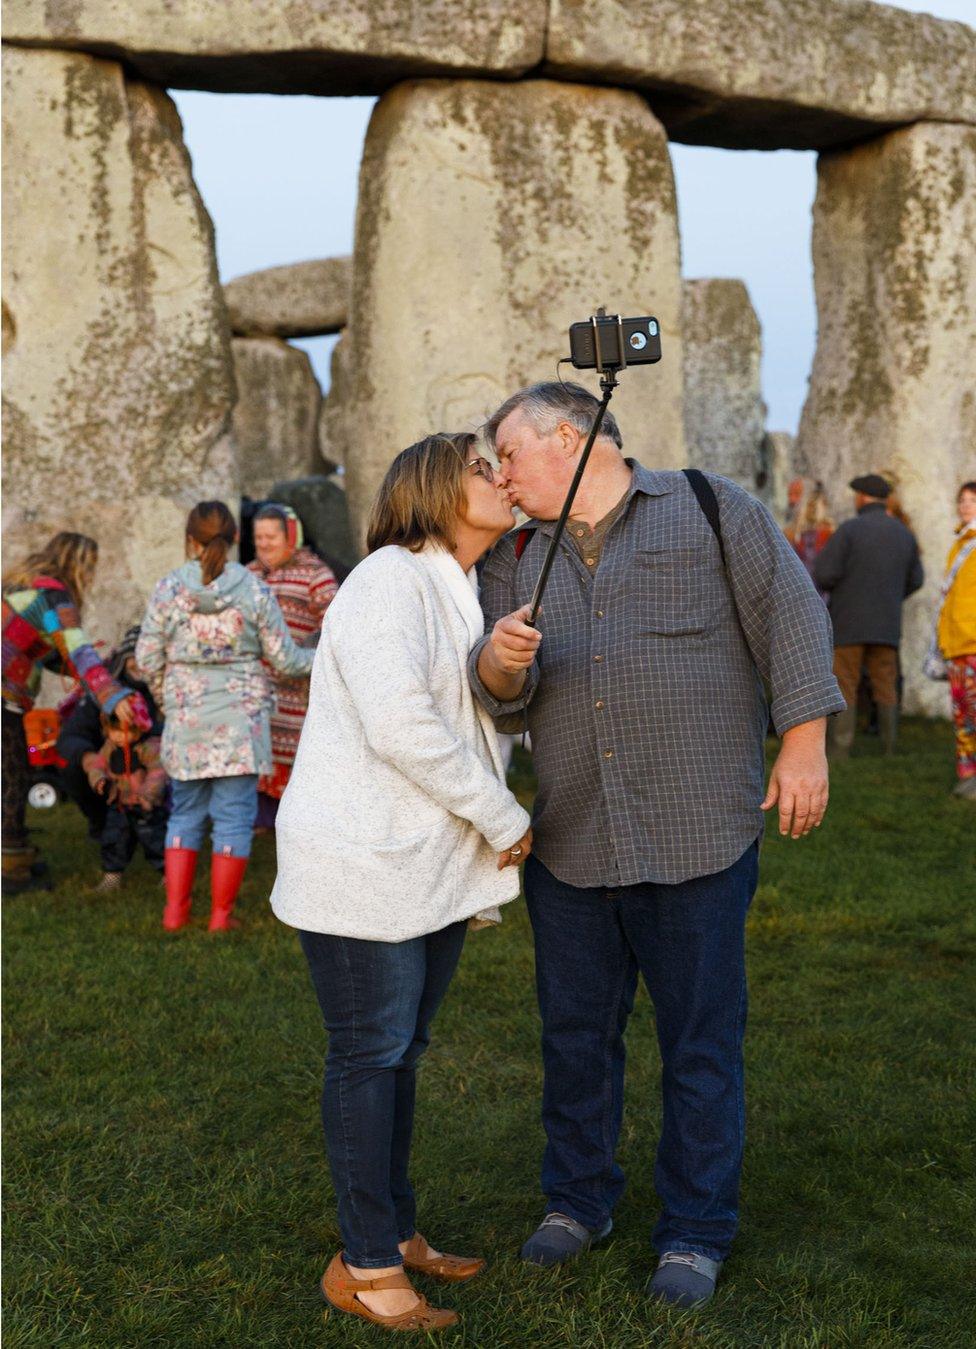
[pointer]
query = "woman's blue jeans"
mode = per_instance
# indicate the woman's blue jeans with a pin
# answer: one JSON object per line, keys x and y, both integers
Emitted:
{"x": 231, "y": 803}
{"x": 688, "y": 942}
{"x": 378, "y": 1000}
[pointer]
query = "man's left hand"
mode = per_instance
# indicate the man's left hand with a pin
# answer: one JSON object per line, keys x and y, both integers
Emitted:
{"x": 798, "y": 782}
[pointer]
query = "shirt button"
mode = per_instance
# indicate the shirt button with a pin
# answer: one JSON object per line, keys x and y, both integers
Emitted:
{"x": 598, "y": 703}
{"x": 599, "y": 613}
{"x": 591, "y": 561}
{"x": 608, "y": 753}
{"x": 579, "y": 533}
{"x": 598, "y": 659}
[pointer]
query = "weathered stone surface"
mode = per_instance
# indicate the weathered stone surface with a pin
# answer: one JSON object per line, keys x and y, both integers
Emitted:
{"x": 275, "y": 421}
{"x": 724, "y": 410}
{"x": 291, "y": 46}
{"x": 894, "y": 377}
{"x": 303, "y": 299}
{"x": 117, "y": 369}
{"x": 778, "y": 454}
{"x": 490, "y": 218}
{"x": 333, "y": 427}
{"x": 768, "y": 74}
{"x": 320, "y": 502}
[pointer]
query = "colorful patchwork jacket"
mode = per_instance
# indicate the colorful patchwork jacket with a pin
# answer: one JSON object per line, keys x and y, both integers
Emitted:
{"x": 42, "y": 628}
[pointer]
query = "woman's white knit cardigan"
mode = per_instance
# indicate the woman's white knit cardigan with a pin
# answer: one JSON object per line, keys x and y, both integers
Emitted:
{"x": 397, "y": 806}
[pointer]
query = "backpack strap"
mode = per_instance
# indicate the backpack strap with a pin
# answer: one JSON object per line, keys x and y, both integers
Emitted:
{"x": 708, "y": 501}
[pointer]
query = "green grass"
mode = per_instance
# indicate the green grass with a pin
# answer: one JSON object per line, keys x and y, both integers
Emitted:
{"x": 165, "y": 1179}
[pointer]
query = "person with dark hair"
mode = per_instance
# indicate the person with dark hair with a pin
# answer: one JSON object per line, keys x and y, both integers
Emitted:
{"x": 81, "y": 732}
{"x": 126, "y": 772}
{"x": 304, "y": 587}
{"x": 672, "y": 598}
{"x": 42, "y": 601}
{"x": 868, "y": 568}
{"x": 955, "y": 638}
{"x": 209, "y": 626}
{"x": 396, "y": 829}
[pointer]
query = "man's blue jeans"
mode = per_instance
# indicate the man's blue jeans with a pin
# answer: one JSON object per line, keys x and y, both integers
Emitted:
{"x": 687, "y": 941}
{"x": 378, "y": 1000}
{"x": 231, "y": 803}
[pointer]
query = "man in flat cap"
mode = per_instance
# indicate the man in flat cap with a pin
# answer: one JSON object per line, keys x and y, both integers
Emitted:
{"x": 869, "y": 567}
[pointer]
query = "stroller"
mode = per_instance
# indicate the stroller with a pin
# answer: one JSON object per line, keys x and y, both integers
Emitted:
{"x": 42, "y": 727}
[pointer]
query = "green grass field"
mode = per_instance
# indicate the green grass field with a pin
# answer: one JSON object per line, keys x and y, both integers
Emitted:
{"x": 165, "y": 1179}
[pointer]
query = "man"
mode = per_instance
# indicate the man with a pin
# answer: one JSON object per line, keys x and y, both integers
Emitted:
{"x": 644, "y": 696}
{"x": 869, "y": 567}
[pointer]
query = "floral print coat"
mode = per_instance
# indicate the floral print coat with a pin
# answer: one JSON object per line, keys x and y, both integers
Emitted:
{"x": 201, "y": 649}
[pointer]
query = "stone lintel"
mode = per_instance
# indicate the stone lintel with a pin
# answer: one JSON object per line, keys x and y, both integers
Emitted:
{"x": 299, "y": 299}
{"x": 770, "y": 74}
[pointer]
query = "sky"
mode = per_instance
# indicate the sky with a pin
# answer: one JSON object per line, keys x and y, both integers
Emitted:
{"x": 279, "y": 175}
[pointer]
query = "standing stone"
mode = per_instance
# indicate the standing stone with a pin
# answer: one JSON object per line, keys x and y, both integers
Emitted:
{"x": 275, "y": 421}
{"x": 333, "y": 428}
{"x": 778, "y": 454}
{"x": 894, "y": 377}
{"x": 490, "y": 218}
{"x": 724, "y": 410}
{"x": 303, "y": 299}
{"x": 117, "y": 373}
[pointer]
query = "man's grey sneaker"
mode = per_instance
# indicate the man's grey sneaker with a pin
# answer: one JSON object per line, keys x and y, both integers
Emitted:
{"x": 559, "y": 1237}
{"x": 110, "y": 883}
{"x": 684, "y": 1279}
{"x": 965, "y": 787}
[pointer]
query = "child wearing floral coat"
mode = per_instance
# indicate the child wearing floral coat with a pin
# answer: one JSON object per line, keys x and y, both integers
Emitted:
{"x": 209, "y": 625}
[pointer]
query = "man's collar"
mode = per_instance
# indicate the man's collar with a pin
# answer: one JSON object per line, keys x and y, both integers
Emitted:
{"x": 871, "y": 506}
{"x": 652, "y": 482}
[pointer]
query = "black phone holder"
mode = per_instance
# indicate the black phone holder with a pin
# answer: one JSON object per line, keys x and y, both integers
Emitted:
{"x": 600, "y": 344}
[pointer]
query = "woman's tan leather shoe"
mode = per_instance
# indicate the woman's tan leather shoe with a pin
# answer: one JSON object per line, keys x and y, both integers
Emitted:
{"x": 339, "y": 1289}
{"x": 450, "y": 1268}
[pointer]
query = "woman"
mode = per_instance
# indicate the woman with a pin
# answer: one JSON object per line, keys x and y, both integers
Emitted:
{"x": 811, "y": 525}
{"x": 304, "y": 587}
{"x": 208, "y": 627}
{"x": 396, "y": 829}
{"x": 42, "y": 601}
{"x": 957, "y": 638}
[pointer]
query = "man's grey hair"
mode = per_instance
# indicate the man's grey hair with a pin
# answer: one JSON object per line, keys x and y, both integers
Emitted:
{"x": 544, "y": 406}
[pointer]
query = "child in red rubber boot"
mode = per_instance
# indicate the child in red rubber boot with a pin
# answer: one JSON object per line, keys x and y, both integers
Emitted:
{"x": 209, "y": 626}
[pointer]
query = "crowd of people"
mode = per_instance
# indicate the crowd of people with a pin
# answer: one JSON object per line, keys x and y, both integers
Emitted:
{"x": 384, "y": 782}
{"x": 865, "y": 570}
{"x": 224, "y": 649}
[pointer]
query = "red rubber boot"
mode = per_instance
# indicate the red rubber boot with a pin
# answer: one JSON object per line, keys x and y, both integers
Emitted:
{"x": 181, "y": 865}
{"x": 226, "y": 874}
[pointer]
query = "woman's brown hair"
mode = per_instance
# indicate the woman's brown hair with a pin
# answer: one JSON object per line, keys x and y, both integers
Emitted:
{"x": 68, "y": 558}
{"x": 211, "y": 525}
{"x": 422, "y": 495}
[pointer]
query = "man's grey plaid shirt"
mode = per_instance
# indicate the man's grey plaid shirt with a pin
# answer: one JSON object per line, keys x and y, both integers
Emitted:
{"x": 646, "y": 705}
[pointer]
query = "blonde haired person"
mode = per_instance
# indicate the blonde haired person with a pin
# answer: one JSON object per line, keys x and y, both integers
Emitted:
{"x": 42, "y": 600}
{"x": 395, "y": 829}
{"x": 811, "y": 525}
{"x": 956, "y": 637}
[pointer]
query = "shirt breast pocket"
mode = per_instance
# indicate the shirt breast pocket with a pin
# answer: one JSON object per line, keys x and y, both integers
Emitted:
{"x": 673, "y": 591}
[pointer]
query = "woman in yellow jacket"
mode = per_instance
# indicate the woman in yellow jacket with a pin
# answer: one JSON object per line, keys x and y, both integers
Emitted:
{"x": 957, "y": 642}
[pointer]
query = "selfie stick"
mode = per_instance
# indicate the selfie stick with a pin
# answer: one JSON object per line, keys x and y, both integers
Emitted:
{"x": 608, "y": 382}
